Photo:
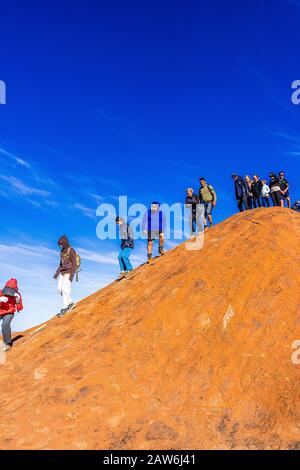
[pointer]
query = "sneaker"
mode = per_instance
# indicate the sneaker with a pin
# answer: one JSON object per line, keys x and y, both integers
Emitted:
{"x": 71, "y": 306}
{"x": 62, "y": 312}
{"x": 6, "y": 347}
{"x": 122, "y": 275}
{"x": 150, "y": 260}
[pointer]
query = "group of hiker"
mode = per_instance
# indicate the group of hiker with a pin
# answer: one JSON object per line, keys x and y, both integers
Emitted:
{"x": 11, "y": 299}
{"x": 251, "y": 193}
{"x": 153, "y": 226}
{"x": 201, "y": 206}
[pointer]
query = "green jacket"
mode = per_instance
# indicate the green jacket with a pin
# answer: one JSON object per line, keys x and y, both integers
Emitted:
{"x": 207, "y": 194}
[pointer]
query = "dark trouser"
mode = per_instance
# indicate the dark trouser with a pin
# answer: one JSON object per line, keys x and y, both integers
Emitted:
{"x": 256, "y": 202}
{"x": 276, "y": 198}
{"x": 250, "y": 202}
{"x": 241, "y": 202}
{"x": 6, "y": 330}
{"x": 195, "y": 222}
{"x": 266, "y": 201}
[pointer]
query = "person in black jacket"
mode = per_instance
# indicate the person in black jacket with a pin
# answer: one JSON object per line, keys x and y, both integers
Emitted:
{"x": 275, "y": 190}
{"x": 241, "y": 192}
{"x": 192, "y": 203}
{"x": 284, "y": 186}
{"x": 256, "y": 191}
{"x": 127, "y": 245}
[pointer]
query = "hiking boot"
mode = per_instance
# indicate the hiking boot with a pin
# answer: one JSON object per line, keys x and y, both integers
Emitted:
{"x": 149, "y": 259}
{"x": 122, "y": 275}
{"x": 71, "y": 306}
{"x": 6, "y": 347}
{"x": 62, "y": 312}
{"x": 161, "y": 250}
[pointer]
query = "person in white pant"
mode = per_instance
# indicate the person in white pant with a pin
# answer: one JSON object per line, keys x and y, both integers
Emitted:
{"x": 65, "y": 274}
{"x": 64, "y": 288}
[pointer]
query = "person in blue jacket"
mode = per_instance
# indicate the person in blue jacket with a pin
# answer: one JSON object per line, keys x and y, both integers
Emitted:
{"x": 241, "y": 192}
{"x": 127, "y": 245}
{"x": 153, "y": 225}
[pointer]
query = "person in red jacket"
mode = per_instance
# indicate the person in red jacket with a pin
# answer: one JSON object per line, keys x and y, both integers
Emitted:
{"x": 10, "y": 302}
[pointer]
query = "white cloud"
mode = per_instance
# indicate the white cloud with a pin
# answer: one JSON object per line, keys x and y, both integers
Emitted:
{"x": 15, "y": 158}
{"x": 107, "y": 258}
{"x": 97, "y": 198}
{"x": 86, "y": 211}
{"x": 23, "y": 189}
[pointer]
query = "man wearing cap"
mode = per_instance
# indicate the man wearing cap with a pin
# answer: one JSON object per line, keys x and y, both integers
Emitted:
{"x": 10, "y": 302}
{"x": 192, "y": 203}
{"x": 154, "y": 224}
{"x": 241, "y": 192}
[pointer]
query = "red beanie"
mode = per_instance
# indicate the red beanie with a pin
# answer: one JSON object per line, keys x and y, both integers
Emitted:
{"x": 13, "y": 284}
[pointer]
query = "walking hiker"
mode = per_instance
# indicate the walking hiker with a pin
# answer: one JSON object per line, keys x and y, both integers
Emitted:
{"x": 241, "y": 192}
{"x": 284, "y": 186}
{"x": 265, "y": 192}
{"x": 154, "y": 224}
{"x": 275, "y": 190}
{"x": 256, "y": 190}
{"x": 65, "y": 274}
{"x": 208, "y": 197}
{"x": 10, "y": 302}
{"x": 127, "y": 245}
{"x": 249, "y": 182}
{"x": 192, "y": 203}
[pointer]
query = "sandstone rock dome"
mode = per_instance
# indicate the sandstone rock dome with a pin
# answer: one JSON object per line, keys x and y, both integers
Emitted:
{"x": 192, "y": 352}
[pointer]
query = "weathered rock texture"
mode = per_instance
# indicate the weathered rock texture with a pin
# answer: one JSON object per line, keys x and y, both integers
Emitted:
{"x": 194, "y": 351}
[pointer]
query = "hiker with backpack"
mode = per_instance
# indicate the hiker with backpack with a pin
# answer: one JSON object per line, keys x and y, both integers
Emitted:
{"x": 153, "y": 225}
{"x": 127, "y": 245}
{"x": 207, "y": 197}
{"x": 241, "y": 192}
{"x": 193, "y": 204}
{"x": 68, "y": 267}
{"x": 10, "y": 302}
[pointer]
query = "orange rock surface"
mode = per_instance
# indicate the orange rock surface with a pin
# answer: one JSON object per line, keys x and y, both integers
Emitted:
{"x": 192, "y": 352}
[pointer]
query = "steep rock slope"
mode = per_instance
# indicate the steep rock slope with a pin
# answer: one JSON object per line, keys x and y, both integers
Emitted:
{"x": 194, "y": 351}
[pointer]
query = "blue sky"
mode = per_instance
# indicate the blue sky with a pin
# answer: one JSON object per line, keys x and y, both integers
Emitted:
{"x": 139, "y": 99}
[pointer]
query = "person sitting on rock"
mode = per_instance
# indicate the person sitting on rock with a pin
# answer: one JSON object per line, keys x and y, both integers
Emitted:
{"x": 10, "y": 302}
{"x": 127, "y": 245}
{"x": 153, "y": 225}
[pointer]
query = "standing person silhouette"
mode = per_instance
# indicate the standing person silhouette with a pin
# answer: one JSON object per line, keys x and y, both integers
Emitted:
{"x": 153, "y": 225}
